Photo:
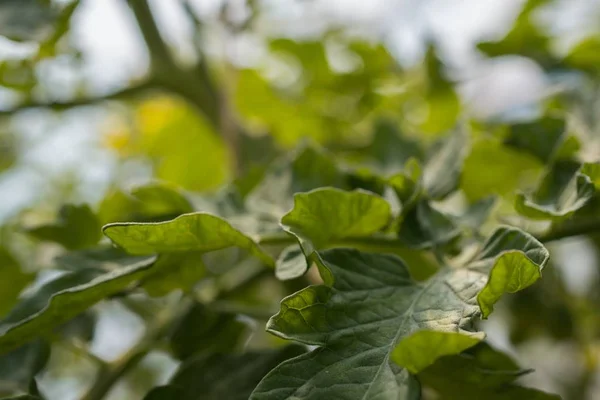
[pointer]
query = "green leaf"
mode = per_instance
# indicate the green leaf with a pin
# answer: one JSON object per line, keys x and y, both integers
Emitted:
{"x": 99, "y": 258}
{"x": 585, "y": 55}
{"x": 562, "y": 191}
{"x": 515, "y": 260}
{"x": 592, "y": 171}
{"x": 174, "y": 271}
{"x": 197, "y": 232}
{"x": 390, "y": 150}
{"x": 441, "y": 173}
{"x": 425, "y": 227}
{"x": 322, "y": 216}
{"x": 441, "y": 101}
{"x": 546, "y": 139}
{"x": 71, "y": 218}
{"x": 148, "y": 203}
{"x": 62, "y": 299}
{"x": 309, "y": 168}
{"x": 423, "y": 348}
{"x": 19, "y": 367}
{"x": 167, "y": 392}
{"x": 492, "y": 168}
{"x": 205, "y": 331}
{"x": 325, "y": 215}
{"x": 160, "y": 199}
{"x": 369, "y": 304}
{"x": 477, "y": 213}
{"x": 13, "y": 281}
{"x": 407, "y": 184}
{"x": 228, "y": 376}
{"x": 479, "y": 373}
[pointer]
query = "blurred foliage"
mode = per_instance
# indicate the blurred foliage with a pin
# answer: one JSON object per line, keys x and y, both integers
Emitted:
{"x": 238, "y": 184}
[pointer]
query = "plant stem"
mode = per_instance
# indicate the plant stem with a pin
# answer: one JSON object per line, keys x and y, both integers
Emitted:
{"x": 573, "y": 229}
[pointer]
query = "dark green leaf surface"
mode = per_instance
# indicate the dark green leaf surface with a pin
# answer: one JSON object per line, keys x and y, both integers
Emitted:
{"x": 426, "y": 227}
{"x": 62, "y": 299}
{"x": 545, "y": 139}
{"x": 13, "y": 281}
{"x": 228, "y": 376}
{"x": 197, "y": 232}
{"x": 479, "y": 373}
{"x": 368, "y": 305}
{"x": 24, "y": 20}
{"x": 77, "y": 227}
{"x": 390, "y": 150}
{"x": 19, "y": 367}
{"x": 562, "y": 191}
{"x": 167, "y": 392}
{"x": 205, "y": 331}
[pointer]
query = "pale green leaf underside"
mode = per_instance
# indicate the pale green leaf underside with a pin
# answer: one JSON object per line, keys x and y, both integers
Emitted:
{"x": 562, "y": 191}
{"x": 322, "y": 216}
{"x": 199, "y": 232}
{"x": 34, "y": 317}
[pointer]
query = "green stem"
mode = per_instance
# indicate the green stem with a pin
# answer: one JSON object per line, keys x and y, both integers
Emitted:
{"x": 573, "y": 229}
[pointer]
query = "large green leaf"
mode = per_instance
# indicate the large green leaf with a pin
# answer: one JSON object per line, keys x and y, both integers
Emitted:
{"x": 562, "y": 191}
{"x": 77, "y": 227}
{"x": 223, "y": 376}
{"x": 515, "y": 260}
{"x": 197, "y": 232}
{"x": 479, "y": 373}
{"x": 62, "y": 299}
{"x": 368, "y": 305}
{"x": 13, "y": 281}
{"x": 19, "y": 367}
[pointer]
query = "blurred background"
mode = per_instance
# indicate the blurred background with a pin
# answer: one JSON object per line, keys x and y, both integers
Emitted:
{"x": 100, "y": 96}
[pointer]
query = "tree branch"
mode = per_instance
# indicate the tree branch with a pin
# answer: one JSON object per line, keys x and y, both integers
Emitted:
{"x": 123, "y": 94}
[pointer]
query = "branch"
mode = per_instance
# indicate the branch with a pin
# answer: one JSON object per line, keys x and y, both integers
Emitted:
{"x": 123, "y": 94}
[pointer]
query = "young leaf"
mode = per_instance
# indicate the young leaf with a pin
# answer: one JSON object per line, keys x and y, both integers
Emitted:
{"x": 479, "y": 373}
{"x": 63, "y": 298}
{"x": 562, "y": 191}
{"x": 368, "y": 305}
{"x": 322, "y": 216}
{"x": 13, "y": 281}
{"x": 199, "y": 232}
{"x": 515, "y": 260}
{"x": 228, "y": 376}
{"x": 77, "y": 227}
